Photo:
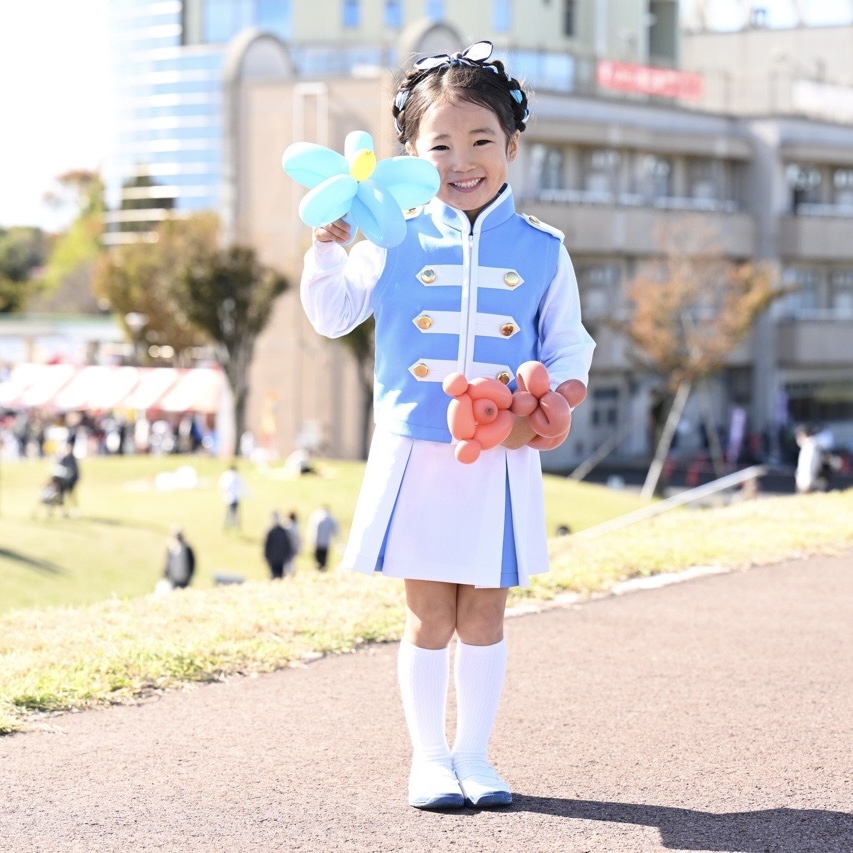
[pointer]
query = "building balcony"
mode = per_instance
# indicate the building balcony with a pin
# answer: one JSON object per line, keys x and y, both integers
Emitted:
{"x": 814, "y": 342}
{"x": 627, "y": 224}
{"x": 816, "y": 237}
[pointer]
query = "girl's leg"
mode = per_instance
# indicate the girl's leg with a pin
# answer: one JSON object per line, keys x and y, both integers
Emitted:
{"x": 479, "y": 675}
{"x": 422, "y": 668}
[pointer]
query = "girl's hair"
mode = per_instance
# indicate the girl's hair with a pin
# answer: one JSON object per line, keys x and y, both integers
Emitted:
{"x": 466, "y": 76}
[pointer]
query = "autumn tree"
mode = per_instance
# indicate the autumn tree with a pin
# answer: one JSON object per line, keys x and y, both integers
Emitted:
{"x": 22, "y": 250}
{"x": 229, "y": 295}
{"x": 138, "y": 280}
{"x": 189, "y": 290}
{"x": 687, "y": 310}
{"x": 67, "y": 278}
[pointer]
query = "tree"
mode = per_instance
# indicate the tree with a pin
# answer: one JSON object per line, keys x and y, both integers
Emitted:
{"x": 228, "y": 294}
{"x": 67, "y": 278}
{"x": 360, "y": 343}
{"x": 138, "y": 280}
{"x": 22, "y": 251}
{"x": 687, "y": 310}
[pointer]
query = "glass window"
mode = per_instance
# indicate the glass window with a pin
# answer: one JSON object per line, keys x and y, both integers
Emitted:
{"x": 501, "y": 15}
{"x": 653, "y": 176}
{"x": 351, "y": 13}
{"x": 434, "y": 10}
{"x": 393, "y": 14}
{"x": 599, "y": 289}
{"x": 804, "y": 301}
{"x": 605, "y": 406}
{"x": 218, "y": 21}
{"x": 842, "y": 187}
{"x": 805, "y": 183}
{"x": 841, "y": 293}
{"x": 601, "y": 170}
{"x": 704, "y": 178}
{"x": 547, "y": 166}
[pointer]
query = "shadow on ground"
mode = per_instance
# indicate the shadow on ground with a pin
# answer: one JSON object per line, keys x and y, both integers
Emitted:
{"x": 31, "y": 562}
{"x": 767, "y": 831}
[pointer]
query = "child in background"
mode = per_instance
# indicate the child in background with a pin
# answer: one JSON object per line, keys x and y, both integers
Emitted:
{"x": 478, "y": 289}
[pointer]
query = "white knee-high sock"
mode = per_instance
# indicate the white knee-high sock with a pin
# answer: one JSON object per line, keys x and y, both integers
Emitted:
{"x": 479, "y": 675}
{"x": 423, "y": 676}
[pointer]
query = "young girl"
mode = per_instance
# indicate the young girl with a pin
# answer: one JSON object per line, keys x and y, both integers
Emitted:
{"x": 478, "y": 289}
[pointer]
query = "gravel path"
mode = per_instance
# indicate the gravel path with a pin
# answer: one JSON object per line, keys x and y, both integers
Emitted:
{"x": 710, "y": 715}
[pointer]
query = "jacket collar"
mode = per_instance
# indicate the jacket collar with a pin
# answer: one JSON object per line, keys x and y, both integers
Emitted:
{"x": 497, "y": 212}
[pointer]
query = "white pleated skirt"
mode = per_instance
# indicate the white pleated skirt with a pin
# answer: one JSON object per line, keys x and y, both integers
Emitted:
{"x": 423, "y": 515}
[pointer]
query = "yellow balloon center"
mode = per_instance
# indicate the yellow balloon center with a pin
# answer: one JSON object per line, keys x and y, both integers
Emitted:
{"x": 362, "y": 164}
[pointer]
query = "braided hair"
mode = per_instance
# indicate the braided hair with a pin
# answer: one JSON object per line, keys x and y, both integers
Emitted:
{"x": 469, "y": 76}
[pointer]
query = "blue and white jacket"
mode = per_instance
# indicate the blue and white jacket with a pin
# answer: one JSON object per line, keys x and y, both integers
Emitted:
{"x": 479, "y": 300}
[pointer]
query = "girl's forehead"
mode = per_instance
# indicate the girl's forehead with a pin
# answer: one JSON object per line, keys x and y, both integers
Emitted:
{"x": 457, "y": 113}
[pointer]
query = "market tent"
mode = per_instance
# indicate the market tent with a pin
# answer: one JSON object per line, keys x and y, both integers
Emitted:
{"x": 97, "y": 388}
{"x": 197, "y": 390}
{"x": 154, "y": 382}
{"x": 21, "y": 377}
{"x": 46, "y": 386}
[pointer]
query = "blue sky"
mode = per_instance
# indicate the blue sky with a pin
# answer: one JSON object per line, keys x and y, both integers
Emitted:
{"x": 55, "y": 96}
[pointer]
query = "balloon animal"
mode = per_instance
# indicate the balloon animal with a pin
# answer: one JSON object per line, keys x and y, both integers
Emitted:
{"x": 370, "y": 195}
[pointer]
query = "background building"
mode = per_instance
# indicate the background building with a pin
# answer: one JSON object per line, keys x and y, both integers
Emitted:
{"x": 628, "y": 138}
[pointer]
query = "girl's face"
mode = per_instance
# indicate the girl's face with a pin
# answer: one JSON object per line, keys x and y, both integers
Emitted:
{"x": 470, "y": 149}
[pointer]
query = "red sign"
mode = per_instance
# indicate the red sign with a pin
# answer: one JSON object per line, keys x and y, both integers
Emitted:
{"x": 662, "y": 82}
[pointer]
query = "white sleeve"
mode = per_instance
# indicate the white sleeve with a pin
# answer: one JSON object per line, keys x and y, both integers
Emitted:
{"x": 336, "y": 288}
{"x": 565, "y": 345}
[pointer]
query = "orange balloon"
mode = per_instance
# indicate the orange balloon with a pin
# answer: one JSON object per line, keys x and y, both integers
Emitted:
{"x": 490, "y": 389}
{"x": 455, "y": 384}
{"x": 533, "y": 376}
{"x": 553, "y": 415}
{"x": 467, "y": 451}
{"x": 460, "y": 417}
{"x": 523, "y": 403}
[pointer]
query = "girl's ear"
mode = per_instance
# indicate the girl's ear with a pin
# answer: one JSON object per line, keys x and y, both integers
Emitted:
{"x": 512, "y": 146}
{"x": 410, "y": 149}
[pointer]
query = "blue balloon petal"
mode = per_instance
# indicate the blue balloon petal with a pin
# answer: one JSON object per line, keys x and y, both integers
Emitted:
{"x": 378, "y": 214}
{"x": 310, "y": 164}
{"x": 329, "y": 201}
{"x": 410, "y": 180}
{"x": 358, "y": 140}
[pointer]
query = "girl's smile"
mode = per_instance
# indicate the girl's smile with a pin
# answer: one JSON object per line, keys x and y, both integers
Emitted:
{"x": 468, "y": 146}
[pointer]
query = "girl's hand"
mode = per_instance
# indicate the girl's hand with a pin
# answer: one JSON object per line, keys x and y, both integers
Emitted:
{"x": 522, "y": 433}
{"x": 336, "y": 232}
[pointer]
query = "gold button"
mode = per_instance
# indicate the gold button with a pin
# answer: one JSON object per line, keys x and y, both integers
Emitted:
{"x": 512, "y": 278}
{"x": 534, "y": 220}
{"x": 420, "y": 370}
{"x": 507, "y": 329}
{"x": 428, "y": 276}
{"x": 503, "y": 376}
{"x": 424, "y": 321}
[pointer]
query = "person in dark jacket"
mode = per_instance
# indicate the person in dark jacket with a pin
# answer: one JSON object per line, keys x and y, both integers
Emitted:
{"x": 180, "y": 561}
{"x": 278, "y": 547}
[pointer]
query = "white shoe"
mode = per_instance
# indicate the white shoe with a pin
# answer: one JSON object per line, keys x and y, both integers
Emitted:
{"x": 481, "y": 786}
{"x": 433, "y": 785}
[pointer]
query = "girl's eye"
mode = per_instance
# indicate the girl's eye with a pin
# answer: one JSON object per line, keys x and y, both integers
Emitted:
{"x": 439, "y": 148}
{"x": 483, "y": 142}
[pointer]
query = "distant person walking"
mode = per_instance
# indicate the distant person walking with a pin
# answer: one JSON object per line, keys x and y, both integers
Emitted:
{"x": 233, "y": 491}
{"x": 322, "y": 528}
{"x": 278, "y": 548}
{"x": 69, "y": 477}
{"x": 180, "y": 561}
{"x": 291, "y": 525}
{"x": 807, "y": 475}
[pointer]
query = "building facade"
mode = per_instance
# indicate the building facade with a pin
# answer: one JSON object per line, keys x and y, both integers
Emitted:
{"x": 622, "y": 147}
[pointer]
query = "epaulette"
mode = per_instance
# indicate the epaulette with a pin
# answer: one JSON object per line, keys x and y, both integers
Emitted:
{"x": 412, "y": 212}
{"x": 543, "y": 226}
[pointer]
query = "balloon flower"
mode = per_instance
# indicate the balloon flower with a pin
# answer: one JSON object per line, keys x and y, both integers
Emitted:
{"x": 370, "y": 195}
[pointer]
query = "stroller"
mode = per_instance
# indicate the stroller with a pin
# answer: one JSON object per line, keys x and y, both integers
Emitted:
{"x": 52, "y": 493}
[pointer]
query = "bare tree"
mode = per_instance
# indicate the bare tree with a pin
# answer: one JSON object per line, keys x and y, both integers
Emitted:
{"x": 687, "y": 309}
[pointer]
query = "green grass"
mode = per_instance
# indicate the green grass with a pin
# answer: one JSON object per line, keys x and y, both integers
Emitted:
{"x": 115, "y": 547}
{"x": 108, "y": 640}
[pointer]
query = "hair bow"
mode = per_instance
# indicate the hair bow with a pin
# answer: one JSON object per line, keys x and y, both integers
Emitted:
{"x": 476, "y": 54}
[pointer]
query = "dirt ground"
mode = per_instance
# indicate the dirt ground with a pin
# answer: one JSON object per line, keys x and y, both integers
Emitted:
{"x": 714, "y": 714}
